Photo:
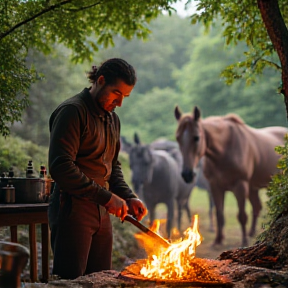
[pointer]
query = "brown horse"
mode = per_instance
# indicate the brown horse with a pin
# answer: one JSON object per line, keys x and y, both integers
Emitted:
{"x": 239, "y": 158}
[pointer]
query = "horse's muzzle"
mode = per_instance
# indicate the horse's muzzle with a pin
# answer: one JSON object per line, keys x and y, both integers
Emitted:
{"x": 188, "y": 175}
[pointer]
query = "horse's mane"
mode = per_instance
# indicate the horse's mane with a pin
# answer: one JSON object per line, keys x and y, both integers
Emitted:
{"x": 230, "y": 117}
{"x": 234, "y": 118}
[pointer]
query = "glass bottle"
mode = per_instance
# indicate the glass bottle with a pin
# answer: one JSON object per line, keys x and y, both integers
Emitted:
{"x": 43, "y": 172}
{"x": 30, "y": 170}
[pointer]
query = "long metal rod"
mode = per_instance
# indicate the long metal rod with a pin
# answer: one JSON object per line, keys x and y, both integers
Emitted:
{"x": 147, "y": 231}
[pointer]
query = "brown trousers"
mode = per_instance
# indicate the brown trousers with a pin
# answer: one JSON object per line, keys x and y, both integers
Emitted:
{"x": 81, "y": 238}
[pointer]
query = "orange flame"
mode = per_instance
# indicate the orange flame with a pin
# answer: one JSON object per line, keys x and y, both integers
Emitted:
{"x": 175, "y": 261}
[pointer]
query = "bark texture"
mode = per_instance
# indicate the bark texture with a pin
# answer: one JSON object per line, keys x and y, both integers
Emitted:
{"x": 278, "y": 34}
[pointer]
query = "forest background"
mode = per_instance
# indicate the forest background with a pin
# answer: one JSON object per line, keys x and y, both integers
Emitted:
{"x": 173, "y": 68}
{"x": 178, "y": 64}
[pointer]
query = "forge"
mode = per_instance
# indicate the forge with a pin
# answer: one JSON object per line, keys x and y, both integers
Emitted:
{"x": 175, "y": 265}
{"x": 202, "y": 273}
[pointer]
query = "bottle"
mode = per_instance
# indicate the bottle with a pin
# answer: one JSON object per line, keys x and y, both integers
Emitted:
{"x": 11, "y": 172}
{"x": 9, "y": 191}
{"x": 43, "y": 176}
{"x": 43, "y": 172}
{"x": 30, "y": 170}
{"x": 3, "y": 174}
{"x": 12, "y": 194}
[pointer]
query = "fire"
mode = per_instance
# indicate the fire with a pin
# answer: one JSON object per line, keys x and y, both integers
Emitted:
{"x": 175, "y": 261}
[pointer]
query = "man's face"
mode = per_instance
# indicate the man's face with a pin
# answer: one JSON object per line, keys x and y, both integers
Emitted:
{"x": 111, "y": 96}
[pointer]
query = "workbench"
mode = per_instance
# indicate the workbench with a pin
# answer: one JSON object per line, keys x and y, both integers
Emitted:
{"x": 13, "y": 215}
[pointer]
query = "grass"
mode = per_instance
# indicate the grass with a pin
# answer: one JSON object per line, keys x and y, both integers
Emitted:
{"x": 199, "y": 204}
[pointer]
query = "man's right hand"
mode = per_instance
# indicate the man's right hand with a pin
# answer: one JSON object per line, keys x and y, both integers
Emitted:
{"x": 117, "y": 206}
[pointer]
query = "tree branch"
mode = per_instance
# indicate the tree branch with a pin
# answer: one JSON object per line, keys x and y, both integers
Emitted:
{"x": 272, "y": 64}
{"x": 50, "y": 8}
{"x": 83, "y": 8}
{"x": 269, "y": 63}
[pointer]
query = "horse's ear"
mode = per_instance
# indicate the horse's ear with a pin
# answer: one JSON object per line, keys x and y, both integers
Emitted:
{"x": 177, "y": 113}
{"x": 197, "y": 113}
{"x": 125, "y": 144}
{"x": 136, "y": 139}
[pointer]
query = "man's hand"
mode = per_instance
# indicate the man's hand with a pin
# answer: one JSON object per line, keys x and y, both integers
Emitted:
{"x": 117, "y": 206}
{"x": 136, "y": 208}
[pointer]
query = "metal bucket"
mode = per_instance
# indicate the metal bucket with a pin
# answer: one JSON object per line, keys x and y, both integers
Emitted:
{"x": 13, "y": 259}
{"x": 27, "y": 190}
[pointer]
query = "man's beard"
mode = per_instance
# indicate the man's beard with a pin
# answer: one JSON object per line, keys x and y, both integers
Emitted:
{"x": 100, "y": 99}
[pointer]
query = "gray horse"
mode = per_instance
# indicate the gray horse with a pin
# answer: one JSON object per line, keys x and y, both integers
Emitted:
{"x": 200, "y": 180}
{"x": 157, "y": 179}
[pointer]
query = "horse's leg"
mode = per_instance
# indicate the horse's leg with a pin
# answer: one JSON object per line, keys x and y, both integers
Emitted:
{"x": 240, "y": 192}
{"x": 179, "y": 218}
{"x": 180, "y": 211}
{"x": 170, "y": 215}
{"x": 256, "y": 208}
{"x": 187, "y": 208}
{"x": 218, "y": 196}
{"x": 211, "y": 208}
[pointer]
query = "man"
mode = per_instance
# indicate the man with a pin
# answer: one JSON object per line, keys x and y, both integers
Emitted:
{"x": 83, "y": 161}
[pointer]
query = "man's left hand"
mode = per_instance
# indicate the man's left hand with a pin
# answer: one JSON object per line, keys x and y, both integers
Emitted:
{"x": 136, "y": 208}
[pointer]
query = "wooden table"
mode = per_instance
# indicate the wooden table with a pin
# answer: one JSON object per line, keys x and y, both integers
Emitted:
{"x": 29, "y": 214}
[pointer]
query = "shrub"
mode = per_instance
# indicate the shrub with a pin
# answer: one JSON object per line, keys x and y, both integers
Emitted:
{"x": 16, "y": 152}
{"x": 278, "y": 188}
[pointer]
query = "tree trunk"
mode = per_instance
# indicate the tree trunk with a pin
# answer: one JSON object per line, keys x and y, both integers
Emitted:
{"x": 278, "y": 34}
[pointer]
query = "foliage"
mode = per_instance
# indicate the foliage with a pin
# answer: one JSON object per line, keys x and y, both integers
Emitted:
{"x": 198, "y": 83}
{"x": 156, "y": 118}
{"x": 82, "y": 25}
{"x": 242, "y": 22}
{"x": 61, "y": 79}
{"x": 163, "y": 51}
{"x": 15, "y": 152}
{"x": 278, "y": 188}
{"x": 186, "y": 74}
{"x": 258, "y": 104}
{"x": 15, "y": 79}
{"x": 154, "y": 61}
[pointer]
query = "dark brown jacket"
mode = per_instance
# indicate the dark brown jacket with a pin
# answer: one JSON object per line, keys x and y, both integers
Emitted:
{"x": 84, "y": 148}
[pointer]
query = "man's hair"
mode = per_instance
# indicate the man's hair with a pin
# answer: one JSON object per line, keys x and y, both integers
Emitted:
{"x": 113, "y": 69}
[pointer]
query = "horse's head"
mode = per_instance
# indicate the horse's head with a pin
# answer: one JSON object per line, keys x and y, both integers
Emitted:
{"x": 191, "y": 140}
{"x": 141, "y": 164}
{"x": 125, "y": 145}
